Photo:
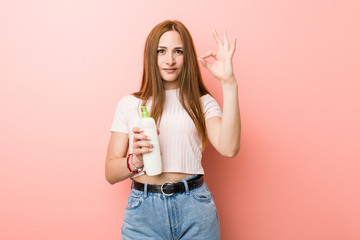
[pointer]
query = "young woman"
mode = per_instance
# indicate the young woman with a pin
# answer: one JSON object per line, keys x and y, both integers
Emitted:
{"x": 176, "y": 204}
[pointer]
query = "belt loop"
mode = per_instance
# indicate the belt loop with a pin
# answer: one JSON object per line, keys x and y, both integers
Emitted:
{"x": 145, "y": 190}
{"x": 186, "y": 186}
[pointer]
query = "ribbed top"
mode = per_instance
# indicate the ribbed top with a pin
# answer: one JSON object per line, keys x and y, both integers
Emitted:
{"x": 180, "y": 143}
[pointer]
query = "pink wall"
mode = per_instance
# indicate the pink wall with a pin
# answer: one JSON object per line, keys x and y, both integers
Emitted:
{"x": 65, "y": 64}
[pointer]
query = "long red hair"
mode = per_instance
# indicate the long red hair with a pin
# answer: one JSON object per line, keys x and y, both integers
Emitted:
{"x": 191, "y": 85}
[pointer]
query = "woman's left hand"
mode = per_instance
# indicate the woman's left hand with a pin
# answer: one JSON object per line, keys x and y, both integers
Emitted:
{"x": 222, "y": 67}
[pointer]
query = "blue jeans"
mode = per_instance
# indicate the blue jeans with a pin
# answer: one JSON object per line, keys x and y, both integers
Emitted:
{"x": 188, "y": 215}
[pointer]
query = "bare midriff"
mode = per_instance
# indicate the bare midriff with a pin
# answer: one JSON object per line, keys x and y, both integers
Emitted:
{"x": 162, "y": 178}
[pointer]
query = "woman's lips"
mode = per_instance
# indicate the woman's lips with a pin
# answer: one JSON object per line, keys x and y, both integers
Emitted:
{"x": 169, "y": 70}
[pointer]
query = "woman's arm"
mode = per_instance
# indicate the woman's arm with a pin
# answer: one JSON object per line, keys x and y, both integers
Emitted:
{"x": 115, "y": 165}
{"x": 224, "y": 133}
{"x": 116, "y": 160}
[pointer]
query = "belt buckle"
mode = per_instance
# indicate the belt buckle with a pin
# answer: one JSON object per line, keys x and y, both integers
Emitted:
{"x": 162, "y": 190}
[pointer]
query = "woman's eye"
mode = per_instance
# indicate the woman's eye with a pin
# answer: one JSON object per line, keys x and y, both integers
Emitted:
{"x": 179, "y": 52}
{"x": 160, "y": 51}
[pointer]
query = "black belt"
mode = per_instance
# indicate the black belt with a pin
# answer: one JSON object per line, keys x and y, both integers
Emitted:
{"x": 169, "y": 188}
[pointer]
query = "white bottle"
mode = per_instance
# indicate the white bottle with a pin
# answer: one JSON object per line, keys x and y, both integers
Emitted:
{"x": 152, "y": 160}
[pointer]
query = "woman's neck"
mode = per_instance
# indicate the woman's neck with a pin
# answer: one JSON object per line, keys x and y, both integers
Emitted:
{"x": 169, "y": 85}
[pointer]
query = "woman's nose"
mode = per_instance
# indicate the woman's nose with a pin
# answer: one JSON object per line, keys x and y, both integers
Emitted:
{"x": 170, "y": 59}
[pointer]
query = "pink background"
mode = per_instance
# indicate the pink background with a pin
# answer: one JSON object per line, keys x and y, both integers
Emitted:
{"x": 65, "y": 64}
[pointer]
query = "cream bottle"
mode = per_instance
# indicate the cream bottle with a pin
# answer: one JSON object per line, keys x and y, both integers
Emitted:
{"x": 152, "y": 160}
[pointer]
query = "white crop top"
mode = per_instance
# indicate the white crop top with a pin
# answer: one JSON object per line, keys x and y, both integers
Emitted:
{"x": 180, "y": 143}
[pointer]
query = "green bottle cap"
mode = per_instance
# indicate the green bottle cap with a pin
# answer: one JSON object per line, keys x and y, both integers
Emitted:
{"x": 144, "y": 112}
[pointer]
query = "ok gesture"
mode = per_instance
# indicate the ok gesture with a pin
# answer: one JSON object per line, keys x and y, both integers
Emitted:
{"x": 222, "y": 67}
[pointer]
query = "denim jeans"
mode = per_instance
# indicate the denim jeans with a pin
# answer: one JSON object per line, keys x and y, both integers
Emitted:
{"x": 189, "y": 215}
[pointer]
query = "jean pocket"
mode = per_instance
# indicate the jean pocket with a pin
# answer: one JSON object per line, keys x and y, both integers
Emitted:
{"x": 202, "y": 194}
{"x": 134, "y": 201}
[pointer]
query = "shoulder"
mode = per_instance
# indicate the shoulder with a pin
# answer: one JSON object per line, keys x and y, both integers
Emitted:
{"x": 127, "y": 103}
{"x": 210, "y": 106}
{"x": 128, "y": 100}
{"x": 206, "y": 99}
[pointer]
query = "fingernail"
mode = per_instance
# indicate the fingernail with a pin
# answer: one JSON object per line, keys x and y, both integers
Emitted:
{"x": 150, "y": 150}
{"x": 148, "y": 138}
{"x": 141, "y": 130}
{"x": 152, "y": 145}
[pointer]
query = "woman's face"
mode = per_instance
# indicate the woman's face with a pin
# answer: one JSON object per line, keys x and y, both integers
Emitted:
{"x": 170, "y": 58}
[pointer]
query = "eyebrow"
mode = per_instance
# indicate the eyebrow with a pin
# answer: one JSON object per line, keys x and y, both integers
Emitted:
{"x": 174, "y": 48}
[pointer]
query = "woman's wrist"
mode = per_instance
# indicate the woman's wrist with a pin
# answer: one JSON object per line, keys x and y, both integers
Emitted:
{"x": 130, "y": 165}
{"x": 229, "y": 86}
{"x": 229, "y": 81}
{"x": 134, "y": 163}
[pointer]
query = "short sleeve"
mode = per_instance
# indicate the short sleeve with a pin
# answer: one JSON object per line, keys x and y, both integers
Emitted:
{"x": 119, "y": 123}
{"x": 210, "y": 106}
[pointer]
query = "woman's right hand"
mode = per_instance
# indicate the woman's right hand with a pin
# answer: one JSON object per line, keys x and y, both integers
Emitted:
{"x": 140, "y": 146}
